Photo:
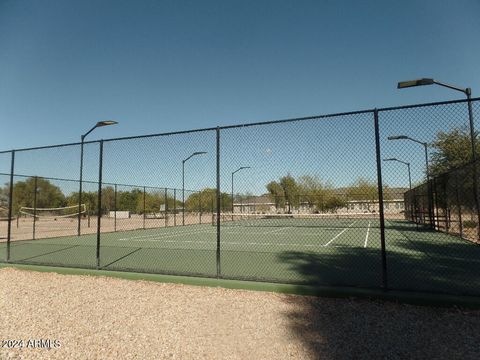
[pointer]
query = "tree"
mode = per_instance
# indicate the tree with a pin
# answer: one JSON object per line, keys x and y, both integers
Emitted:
{"x": 317, "y": 193}
{"x": 311, "y": 189}
{"x": 277, "y": 194}
{"x": 290, "y": 189}
{"x": 48, "y": 195}
{"x": 363, "y": 189}
{"x": 452, "y": 149}
{"x": 206, "y": 201}
{"x": 333, "y": 203}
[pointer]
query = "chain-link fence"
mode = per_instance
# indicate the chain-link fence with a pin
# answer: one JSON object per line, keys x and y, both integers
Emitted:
{"x": 384, "y": 198}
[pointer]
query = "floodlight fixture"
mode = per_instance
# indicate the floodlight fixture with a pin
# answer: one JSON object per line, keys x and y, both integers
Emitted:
{"x": 417, "y": 82}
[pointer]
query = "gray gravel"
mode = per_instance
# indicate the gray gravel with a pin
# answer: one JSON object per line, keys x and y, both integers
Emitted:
{"x": 108, "y": 318}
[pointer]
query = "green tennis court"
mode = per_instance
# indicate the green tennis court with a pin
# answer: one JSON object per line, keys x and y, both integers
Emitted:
{"x": 334, "y": 252}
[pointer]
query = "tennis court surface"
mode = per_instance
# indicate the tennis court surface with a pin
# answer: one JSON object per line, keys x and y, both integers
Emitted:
{"x": 305, "y": 250}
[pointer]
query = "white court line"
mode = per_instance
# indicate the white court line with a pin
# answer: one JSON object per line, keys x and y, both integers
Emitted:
{"x": 366, "y": 237}
{"x": 271, "y": 232}
{"x": 157, "y": 236}
{"x": 340, "y": 233}
{"x": 234, "y": 243}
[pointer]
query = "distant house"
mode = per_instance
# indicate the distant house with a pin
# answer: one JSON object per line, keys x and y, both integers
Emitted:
{"x": 264, "y": 204}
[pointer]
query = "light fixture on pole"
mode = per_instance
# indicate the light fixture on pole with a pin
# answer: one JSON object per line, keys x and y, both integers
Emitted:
{"x": 408, "y": 166}
{"x": 468, "y": 94}
{"x": 98, "y": 124}
{"x": 425, "y": 146}
{"x": 183, "y": 181}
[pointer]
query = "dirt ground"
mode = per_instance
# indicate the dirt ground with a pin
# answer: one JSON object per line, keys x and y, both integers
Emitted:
{"x": 52, "y": 316}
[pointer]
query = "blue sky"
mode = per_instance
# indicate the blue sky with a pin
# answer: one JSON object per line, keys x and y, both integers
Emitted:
{"x": 158, "y": 66}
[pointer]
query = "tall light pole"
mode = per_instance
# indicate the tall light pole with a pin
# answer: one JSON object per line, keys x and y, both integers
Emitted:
{"x": 98, "y": 124}
{"x": 466, "y": 91}
{"x": 408, "y": 166}
{"x": 425, "y": 146}
{"x": 233, "y": 173}
{"x": 468, "y": 94}
{"x": 183, "y": 181}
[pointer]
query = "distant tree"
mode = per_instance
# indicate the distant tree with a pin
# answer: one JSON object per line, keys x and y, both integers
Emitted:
{"x": 290, "y": 189}
{"x": 108, "y": 199}
{"x": 206, "y": 201}
{"x": 333, "y": 203}
{"x": 128, "y": 200}
{"x": 311, "y": 189}
{"x": 452, "y": 149}
{"x": 316, "y": 193}
{"x": 48, "y": 195}
{"x": 277, "y": 194}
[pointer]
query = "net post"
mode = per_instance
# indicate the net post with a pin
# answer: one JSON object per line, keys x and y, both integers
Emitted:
{"x": 115, "y": 207}
{"x": 35, "y": 184}
{"x": 218, "y": 200}
{"x": 99, "y": 201}
{"x": 10, "y": 204}
{"x": 144, "y": 200}
{"x": 380, "y": 201}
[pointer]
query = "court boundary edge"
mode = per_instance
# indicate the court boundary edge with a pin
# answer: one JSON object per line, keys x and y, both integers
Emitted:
{"x": 397, "y": 296}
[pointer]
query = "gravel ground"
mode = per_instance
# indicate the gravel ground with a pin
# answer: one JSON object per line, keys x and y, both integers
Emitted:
{"x": 108, "y": 318}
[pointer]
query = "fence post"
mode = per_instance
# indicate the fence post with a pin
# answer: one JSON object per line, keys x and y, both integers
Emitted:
{"x": 174, "y": 207}
{"x": 10, "y": 205}
{"x": 459, "y": 206}
{"x": 218, "y": 203}
{"x": 436, "y": 223}
{"x": 144, "y": 215}
{"x": 474, "y": 157}
{"x": 380, "y": 200}
{"x": 115, "y": 207}
{"x": 415, "y": 209}
{"x": 165, "y": 207}
{"x": 99, "y": 202}
{"x": 34, "y": 205}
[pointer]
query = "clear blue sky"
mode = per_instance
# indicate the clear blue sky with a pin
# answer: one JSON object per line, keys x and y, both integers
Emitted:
{"x": 158, "y": 66}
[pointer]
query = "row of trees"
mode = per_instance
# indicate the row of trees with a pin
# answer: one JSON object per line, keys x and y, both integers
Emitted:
{"x": 291, "y": 193}
{"x": 49, "y": 195}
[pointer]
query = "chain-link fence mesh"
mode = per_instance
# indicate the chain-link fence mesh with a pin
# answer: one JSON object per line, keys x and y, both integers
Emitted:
{"x": 385, "y": 198}
{"x": 305, "y": 202}
{"x": 434, "y": 248}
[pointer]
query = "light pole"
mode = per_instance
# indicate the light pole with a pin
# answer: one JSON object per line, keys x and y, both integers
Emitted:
{"x": 408, "y": 166}
{"x": 183, "y": 182}
{"x": 233, "y": 173}
{"x": 468, "y": 93}
{"x": 98, "y": 124}
{"x": 425, "y": 146}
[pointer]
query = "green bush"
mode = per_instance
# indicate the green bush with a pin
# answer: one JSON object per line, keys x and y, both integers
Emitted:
{"x": 469, "y": 224}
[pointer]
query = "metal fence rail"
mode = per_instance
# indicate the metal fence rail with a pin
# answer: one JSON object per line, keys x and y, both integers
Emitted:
{"x": 384, "y": 198}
